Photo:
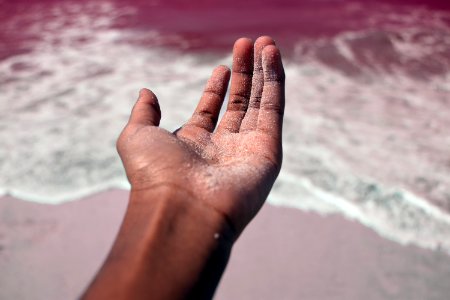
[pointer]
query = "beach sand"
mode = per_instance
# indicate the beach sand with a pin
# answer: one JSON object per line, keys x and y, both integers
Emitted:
{"x": 52, "y": 252}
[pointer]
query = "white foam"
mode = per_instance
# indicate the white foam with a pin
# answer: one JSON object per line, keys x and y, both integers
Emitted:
{"x": 426, "y": 225}
{"x": 372, "y": 148}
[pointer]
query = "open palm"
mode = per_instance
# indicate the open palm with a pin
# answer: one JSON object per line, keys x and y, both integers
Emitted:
{"x": 230, "y": 168}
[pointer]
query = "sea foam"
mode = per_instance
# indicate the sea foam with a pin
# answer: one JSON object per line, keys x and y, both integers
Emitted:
{"x": 365, "y": 135}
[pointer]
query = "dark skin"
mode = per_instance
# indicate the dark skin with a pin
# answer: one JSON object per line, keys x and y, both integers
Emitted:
{"x": 194, "y": 191}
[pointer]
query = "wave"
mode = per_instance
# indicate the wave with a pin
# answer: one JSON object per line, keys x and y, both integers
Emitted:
{"x": 365, "y": 132}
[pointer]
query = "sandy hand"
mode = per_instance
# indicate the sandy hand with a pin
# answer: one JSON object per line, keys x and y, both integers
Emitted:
{"x": 230, "y": 168}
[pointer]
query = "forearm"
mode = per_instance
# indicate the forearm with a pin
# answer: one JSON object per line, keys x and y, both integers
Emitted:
{"x": 170, "y": 246}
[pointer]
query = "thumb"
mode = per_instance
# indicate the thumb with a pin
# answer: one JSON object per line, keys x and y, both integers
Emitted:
{"x": 146, "y": 111}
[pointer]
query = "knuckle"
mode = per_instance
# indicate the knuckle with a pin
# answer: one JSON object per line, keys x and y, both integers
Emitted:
{"x": 238, "y": 99}
{"x": 243, "y": 71}
{"x": 212, "y": 93}
{"x": 258, "y": 68}
{"x": 272, "y": 76}
{"x": 238, "y": 102}
{"x": 207, "y": 115}
{"x": 255, "y": 102}
{"x": 273, "y": 107}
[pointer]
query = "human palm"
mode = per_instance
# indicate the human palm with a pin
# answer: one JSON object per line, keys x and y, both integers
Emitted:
{"x": 230, "y": 168}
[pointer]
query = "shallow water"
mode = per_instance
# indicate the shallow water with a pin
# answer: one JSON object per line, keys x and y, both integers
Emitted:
{"x": 368, "y": 99}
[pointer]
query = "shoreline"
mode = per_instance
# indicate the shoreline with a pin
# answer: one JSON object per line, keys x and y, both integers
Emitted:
{"x": 53, "y": 251}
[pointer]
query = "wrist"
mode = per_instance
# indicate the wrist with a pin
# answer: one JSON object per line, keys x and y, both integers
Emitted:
{"x": 170, "y": 238}
{"x": 192, "y": 238}
{"x": 178, "y": 204}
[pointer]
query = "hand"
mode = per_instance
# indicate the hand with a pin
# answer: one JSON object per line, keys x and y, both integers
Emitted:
{"x": 231, "y": 168}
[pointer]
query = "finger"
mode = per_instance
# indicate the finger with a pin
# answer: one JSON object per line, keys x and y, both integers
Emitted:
{"x": 241, "y": 86}
{"x": 251, "y": 117}
{"x": 146, "y": 111}
{"x": 208, "y": 109}
{"x": 270, "y": 117}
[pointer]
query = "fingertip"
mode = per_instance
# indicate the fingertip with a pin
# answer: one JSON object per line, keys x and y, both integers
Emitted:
{"x": 146, "y": 110}
{"x": 260, "y": 44}
{"x": 148, "y": 97}
{"x": 143, "y": 91}
{"x": 272, "y": 63}
{"x": 243, "y": 47}
{"x": 263, "y": 41}
{"x": 146, "y": 94}
{"x": 243, "y": 41}
{"x": 222, "y": 70}
{"x": 219, "y": 78}
{"x": 271, "y": 52}
{"x": 243, "y": 56}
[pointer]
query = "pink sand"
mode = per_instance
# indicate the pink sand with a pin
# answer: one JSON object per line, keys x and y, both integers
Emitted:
{"x": 52, "y": 252}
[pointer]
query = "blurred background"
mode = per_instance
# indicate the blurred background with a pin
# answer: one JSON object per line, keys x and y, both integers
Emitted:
{"x": 362, "y": 205}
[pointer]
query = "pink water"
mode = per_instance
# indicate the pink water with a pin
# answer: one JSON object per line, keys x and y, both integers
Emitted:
{"x": 368, "y": 95}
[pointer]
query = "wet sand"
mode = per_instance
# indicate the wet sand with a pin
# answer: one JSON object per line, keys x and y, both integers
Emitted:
{"x": 52, "y": 252}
